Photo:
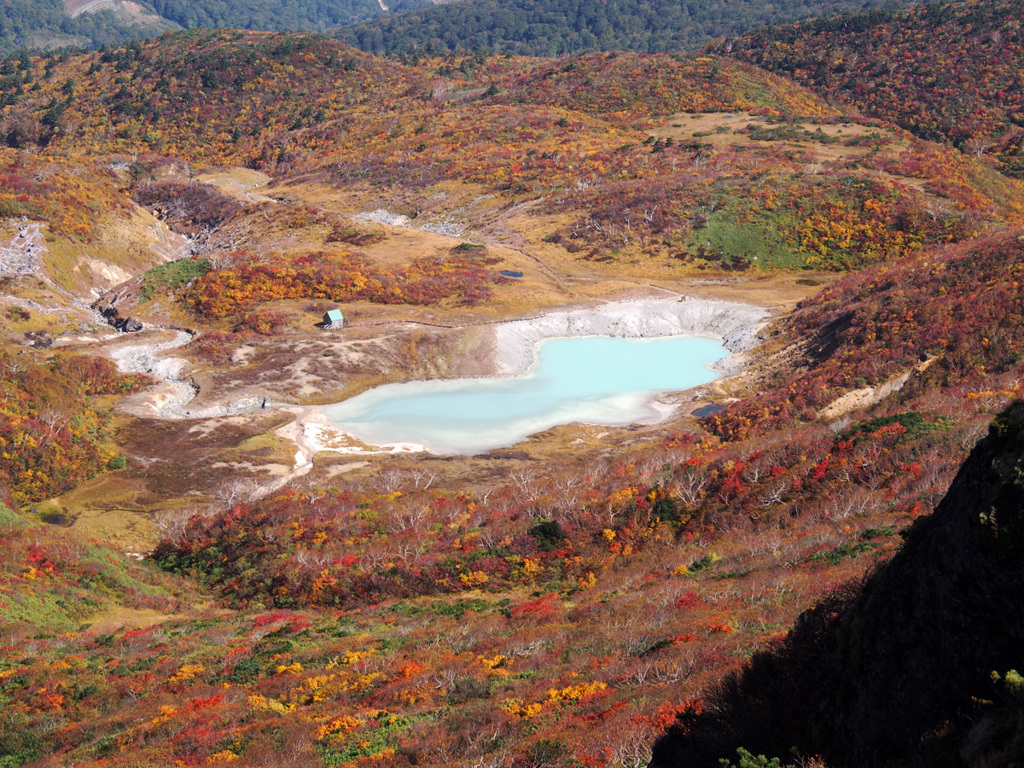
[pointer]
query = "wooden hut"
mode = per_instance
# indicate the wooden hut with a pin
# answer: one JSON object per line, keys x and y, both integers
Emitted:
{"x": 333, "y": 319}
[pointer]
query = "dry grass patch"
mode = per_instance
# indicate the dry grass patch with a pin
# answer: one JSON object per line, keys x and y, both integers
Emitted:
{"x": 780, "y": 291}
{"x": 722, "y": 130}
{"x": 172, "y": 458}
{"x": 114, "y": 508}
{"x": 237, "y": 182}
{"x": 122, "y": 529}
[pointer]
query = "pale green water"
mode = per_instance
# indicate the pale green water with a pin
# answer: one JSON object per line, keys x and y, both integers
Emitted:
{"x": 592, "y": 379}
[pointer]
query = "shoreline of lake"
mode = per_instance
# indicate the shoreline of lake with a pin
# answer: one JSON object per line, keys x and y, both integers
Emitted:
{"x": 515, "y": 344}
{"x": 733, "y": 324}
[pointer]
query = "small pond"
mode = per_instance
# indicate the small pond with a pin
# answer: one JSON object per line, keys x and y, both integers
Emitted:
{"x": 598, "y": 380}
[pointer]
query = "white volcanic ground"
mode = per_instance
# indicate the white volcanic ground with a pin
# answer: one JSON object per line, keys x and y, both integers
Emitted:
{"x": 515, "y": 351}
{"x": 735, "y": 325}
{"x": 515, "y": 348}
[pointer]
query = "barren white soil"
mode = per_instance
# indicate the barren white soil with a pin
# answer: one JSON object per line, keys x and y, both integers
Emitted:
{"x": 514, "y": 344}
{"x": 735, "y": 325}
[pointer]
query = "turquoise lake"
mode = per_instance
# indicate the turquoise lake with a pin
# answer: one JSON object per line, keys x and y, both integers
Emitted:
{"x": 597, "y": 380}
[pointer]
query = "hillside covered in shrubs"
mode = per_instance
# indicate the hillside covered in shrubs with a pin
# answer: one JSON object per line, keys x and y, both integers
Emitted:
{"x": 794, "y": 558}
{"x": 931, "y": 641}
{"x": 944, "y": 71}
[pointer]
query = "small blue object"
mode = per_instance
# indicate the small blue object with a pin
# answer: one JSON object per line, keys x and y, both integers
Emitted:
{"x": 333, "y": 316}
{"x": 510, "y": 273}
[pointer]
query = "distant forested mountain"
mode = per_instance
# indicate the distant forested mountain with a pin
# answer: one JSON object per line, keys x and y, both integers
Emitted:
{"x": 273, "y": 15}
{"x": 526, "y": 27}
{"x": 557, "y": 27}
{"x": 44, "y": 24}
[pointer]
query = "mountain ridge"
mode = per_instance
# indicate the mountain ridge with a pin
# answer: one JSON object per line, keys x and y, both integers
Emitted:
{"x": 976, "y": 104}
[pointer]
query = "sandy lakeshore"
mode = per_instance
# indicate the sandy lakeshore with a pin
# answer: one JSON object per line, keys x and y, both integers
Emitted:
{"x": 514, "y": 345}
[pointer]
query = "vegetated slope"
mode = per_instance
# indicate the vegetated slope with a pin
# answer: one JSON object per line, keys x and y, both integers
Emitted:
{"x": 388, "y": 620}
{"x": 577, "y": 133}
{"x": 67, "y": 231}
{"x": 52, "y": 429}
{"x": 213, "y": 97}
{"x": 52, "y": 582}
{"x": 547, "y": 28}
{"x": 945, "y": 71}
{"x": 204, "y": 96}
{"x": 54, "y": 585}
{"x": 920, "y": 668}
{"x": 70, "y": 198}
{"x": 408, "y": 618}
{"x": 630, "y": 86}
{"x": 959, "y": 307}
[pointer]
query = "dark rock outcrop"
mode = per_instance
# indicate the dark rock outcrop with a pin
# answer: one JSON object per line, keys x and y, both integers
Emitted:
{"x": 111, "y": 303}
{"x": 128, "y": 325}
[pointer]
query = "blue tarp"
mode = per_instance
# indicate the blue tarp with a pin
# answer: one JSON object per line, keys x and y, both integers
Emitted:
{"x": 510, "y": 273}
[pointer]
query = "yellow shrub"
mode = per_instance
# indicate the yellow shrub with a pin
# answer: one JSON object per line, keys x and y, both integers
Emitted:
{"x": 262, "y": 702}
{"x": 341, "y": 724}
{"x": 187, "y": 672}
{"x": 531, "y": 567}
{"x": 351, "y": 657}
{"x": 575, "y": 692}
{"x": 518, "y": 708}
{"x": 587, "y": 581}
{"x": 473, "y": 578}
{"x": 224, "y": 756}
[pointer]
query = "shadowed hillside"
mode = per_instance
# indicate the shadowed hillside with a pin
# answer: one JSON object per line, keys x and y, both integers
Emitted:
{"x": 919, "y": 668}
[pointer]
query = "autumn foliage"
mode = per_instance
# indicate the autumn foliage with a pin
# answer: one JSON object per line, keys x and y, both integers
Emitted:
{"x": 50, "y": 425}
{"x": 948, "y": 71}
{"x": 956, "y": 309}
{"x": 456, "y": 278}
{"x": 532, "y": 612}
